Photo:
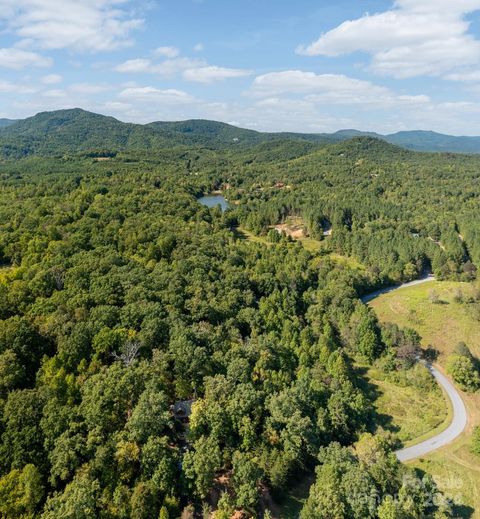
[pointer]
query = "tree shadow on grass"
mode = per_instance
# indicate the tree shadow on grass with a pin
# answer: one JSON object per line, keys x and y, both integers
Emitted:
{"x": 376, "y": 420}
{"x": 459, "y": 510}
{"x": 462, "y": 511}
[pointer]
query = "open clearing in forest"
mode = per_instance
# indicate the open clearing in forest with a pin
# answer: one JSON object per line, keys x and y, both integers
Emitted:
{"x": 443, "y": 325}
{"x": 321, "y": 247}
{"x": 417, "y": 415}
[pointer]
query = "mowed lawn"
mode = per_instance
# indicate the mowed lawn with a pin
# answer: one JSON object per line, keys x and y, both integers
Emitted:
{"x": 443, "y": 325}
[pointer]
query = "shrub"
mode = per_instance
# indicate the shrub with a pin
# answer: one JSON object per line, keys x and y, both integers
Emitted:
{"x": 475, "y": 447}
{"x": 464, "y": 372}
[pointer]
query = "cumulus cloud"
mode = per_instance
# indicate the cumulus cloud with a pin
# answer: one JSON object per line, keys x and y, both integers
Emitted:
{"x": 467, "y": 76}
{"x": 329, "y": 88}
{"x": 6, "y": 87}
{"x": 172, "y": 67}
{"x": 147, "y": 103}
{"x": 168, "y": 52}
{"x": 51, "y": 79}
{"x": 54, "y": 92}
{"x": 17, "y": 59}
{"x": 82, "y": 25}
{"x": 210, "y": 74}
{"x": 191, "y": 69}
{"x": 168, "y": 68}
{"x": 133, "y": 66}
{"x": 156, "y": 95}
{"x": 88, "y": 88}
{"x": 415, "y": 37}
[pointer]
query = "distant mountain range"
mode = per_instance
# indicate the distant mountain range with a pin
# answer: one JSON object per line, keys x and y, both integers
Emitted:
{"x": 76, "y": 130}
{"x": 420, "y": 140}
{"x": 6, "y": 122}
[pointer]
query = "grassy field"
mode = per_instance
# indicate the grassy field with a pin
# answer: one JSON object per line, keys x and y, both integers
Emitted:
{"x": 310, "y": 244}
{"x": 442, "y": 325}
{"x": 249, "y": 236}
{"x": 409, "y": 412}
{"x": 348, "y": 261}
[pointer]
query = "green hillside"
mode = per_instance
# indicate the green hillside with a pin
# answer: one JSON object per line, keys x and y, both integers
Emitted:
{"x": 205, "y": 131}
{"x": 76, "y": 130}
{"x": 208, "y": 132}
{"x": 432, "y": 141}
{"x": 6, "y": 122}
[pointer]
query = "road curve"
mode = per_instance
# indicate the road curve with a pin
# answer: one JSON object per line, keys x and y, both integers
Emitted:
{"x": 454, "y": 430}
{"x": 385, "y": 290}
{"x": 460, "y": 419}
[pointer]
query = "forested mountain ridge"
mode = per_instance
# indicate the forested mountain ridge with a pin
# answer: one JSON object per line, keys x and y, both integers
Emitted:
{"x": 6, "y": 122}
{"x": 70, "y": 131}
{"x": 76, "y": 130}
{"x": 420, "y": 140}
{"x": 433, "y": 141}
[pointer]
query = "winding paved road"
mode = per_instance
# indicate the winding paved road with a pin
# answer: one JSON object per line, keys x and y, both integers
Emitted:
{"x": 455, "y": 429}
{"x": 459, "y": 421}
{"x": 385, "y": 290}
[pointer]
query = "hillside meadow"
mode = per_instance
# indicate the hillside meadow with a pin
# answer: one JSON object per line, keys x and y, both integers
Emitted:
{"x": 444, "y": 313}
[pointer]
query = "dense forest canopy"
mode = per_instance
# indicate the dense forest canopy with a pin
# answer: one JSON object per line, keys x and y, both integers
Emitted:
{"x": 154, "y": 362}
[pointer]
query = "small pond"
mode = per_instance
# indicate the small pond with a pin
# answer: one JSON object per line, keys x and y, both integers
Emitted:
{"x": 213, "y": 201}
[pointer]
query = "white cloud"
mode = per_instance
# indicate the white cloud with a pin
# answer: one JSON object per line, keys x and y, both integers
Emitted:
{"x": 147, "y": 103}
{"x": 167, "y": 69}
{"x": 300, "y": 103}
{"x": 470, "y": 76}
{"x": 172, "y": 67}
{"x": 18, "y": 59}
{"x": 152, "y": 94}
{"x": 192, "y": 69}
{"x": 329, "y": 89}
{"x": 88, "y": 88}
{"x": 55, "y": 92}
{"x": 117, "y": 106}
{"x": 415, "y": 37}
{"x": 199, "y": 47}
{"x": 210, "y": 74}
{"x": 133, "y": 66}
{"x": 82, "y": 25}
{"x": 51, "y": 79}
{"x": 277, "y": 114}
{"x": 6, "y": 87}
{"x": 167, "y": 52}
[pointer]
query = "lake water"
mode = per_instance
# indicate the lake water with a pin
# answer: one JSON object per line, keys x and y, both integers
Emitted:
{"x": 213, "y": 201}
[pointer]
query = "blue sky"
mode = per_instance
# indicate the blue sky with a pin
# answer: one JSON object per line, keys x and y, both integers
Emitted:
{"x": 273, "y": 65}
